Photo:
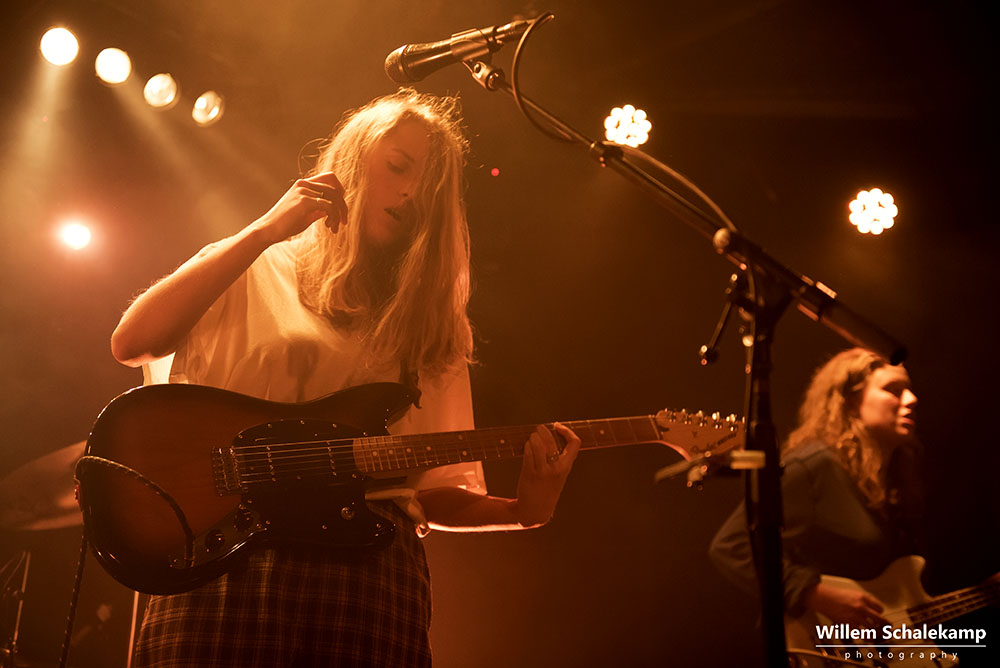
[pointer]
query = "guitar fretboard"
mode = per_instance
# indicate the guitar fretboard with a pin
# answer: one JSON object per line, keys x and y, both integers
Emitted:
{"x": 957, "y": 603}
{"x": 377, "y": 454}
{"x": 269, "y": 460}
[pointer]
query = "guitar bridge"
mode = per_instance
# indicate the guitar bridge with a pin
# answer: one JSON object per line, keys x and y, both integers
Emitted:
{"x": 225, "y": 471}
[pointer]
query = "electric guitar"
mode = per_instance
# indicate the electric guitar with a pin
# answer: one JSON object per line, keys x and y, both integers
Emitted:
{"x": 906, "y": 602}
{"x": 177, "y": 480}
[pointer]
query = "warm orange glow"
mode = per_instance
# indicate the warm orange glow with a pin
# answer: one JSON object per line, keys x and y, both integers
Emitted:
{"x": 207, "y": 108}
{"x": 75, "y": 235}
{"x": 59, "y": 46}
{"x": 113, "y": 66}
{"x": 160, "y": 91}
{"x": 873, "y": 211}
{"x": 627, "y": 125}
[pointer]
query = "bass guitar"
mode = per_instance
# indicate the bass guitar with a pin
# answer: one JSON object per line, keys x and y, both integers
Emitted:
{"x": 906, "y": 602}
{"x": 177, "y": 480}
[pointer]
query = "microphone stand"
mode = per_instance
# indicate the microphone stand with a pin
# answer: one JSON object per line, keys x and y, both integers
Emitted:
{"x": 770, "y": 288}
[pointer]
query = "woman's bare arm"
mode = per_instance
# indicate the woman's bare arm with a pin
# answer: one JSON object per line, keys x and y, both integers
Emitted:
{"x": 156, "y": 322}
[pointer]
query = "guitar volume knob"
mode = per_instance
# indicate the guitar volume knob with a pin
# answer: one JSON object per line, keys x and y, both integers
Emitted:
{"x": 242, "y": 519}
{"x": 214, "y": 540}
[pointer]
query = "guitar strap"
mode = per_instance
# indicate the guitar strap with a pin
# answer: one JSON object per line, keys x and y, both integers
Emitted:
{"x": 411, "y": 379}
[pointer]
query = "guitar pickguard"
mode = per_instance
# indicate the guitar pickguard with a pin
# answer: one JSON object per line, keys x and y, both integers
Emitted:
{"x": 318, "y": 499}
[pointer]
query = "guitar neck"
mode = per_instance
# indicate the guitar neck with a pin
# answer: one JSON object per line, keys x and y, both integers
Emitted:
{"x": 957, "y": 603}
{"x": 268, "y": 459}
{"x": 380, "y": 454}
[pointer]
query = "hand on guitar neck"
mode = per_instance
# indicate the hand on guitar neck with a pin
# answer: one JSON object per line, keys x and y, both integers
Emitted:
{"x": 543, "y": 474}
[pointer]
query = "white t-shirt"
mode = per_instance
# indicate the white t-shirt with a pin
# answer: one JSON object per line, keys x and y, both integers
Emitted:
{"x": 258, "y": 339}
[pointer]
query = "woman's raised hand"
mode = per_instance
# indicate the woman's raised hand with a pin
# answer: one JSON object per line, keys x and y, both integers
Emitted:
{"x": 305, "y": 202}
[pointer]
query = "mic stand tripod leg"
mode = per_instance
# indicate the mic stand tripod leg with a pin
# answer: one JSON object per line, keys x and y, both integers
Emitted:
{"x": 22, "y": 560}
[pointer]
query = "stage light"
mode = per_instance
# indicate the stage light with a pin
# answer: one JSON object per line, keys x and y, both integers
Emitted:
{"x": 627, "y": 125}
{"x": 873, "y": 211}
{"x": 495, "y": 171}
{"x": 75, "y": 235}
{"x": 160, "y": 91}
{"x": 59, "y": 46}
{"x": 113, "y": 66}
{"x": 207, "y": 108}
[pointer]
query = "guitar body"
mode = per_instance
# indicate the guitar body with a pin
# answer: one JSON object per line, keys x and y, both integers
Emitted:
{"x": 160, "y": 441}
{"x": 177, "y": 480}
{"x": 899, "y": 589}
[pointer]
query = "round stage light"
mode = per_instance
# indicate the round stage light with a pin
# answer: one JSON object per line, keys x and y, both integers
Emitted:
{"x": 207, "y": 108}
{"x": 113, "y": 66}
{"x": 873, "y": 211}
{"x": 160, "y": 91}
{"x": 627, "y": 125}
{"x": 59, "y": 46}
{"x": 75, "y": 235}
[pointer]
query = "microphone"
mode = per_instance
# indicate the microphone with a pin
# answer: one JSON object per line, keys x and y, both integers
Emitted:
{"x": 413, "y": 62}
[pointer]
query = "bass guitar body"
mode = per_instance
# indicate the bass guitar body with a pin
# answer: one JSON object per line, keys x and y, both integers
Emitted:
{"x": 166, "y": 508}
{"x": 906, "y": 604}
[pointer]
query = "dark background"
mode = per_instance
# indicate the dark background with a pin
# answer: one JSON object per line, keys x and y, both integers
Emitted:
{"x": 589, "y": 300}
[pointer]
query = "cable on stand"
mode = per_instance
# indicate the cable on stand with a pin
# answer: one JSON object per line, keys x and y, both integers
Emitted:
{"x": 73, "y": 601}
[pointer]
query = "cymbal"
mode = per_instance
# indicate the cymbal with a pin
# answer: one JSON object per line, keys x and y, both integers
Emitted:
{"x": 42, "y": 493}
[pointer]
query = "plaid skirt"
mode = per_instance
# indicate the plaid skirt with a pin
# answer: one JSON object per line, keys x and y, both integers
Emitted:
{"x": 300, "y": 607}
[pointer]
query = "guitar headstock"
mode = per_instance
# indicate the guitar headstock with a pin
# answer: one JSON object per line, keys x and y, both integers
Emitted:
{"x": 698, "y": 434}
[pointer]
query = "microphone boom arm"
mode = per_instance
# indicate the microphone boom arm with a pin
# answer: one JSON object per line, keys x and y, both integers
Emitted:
{"x": 773, "y": 286}
{"x": 813, "y": 298}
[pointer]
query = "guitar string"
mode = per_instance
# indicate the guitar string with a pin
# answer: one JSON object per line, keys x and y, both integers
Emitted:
{"x": 443, "y": 437}
{"x": 261, "y": 469}
{"x": 947, "y": 606}
{"x": 288, "y": 459}
{"x": 445, "y": 444}
{"x": 956, "y": 597}
{"x": 442, "y": 441}
{"x": 939, "y": 611}
{"x": 310, "y": 463}
{"x": 280, "y": 458}
{"x": 378, "y": 450}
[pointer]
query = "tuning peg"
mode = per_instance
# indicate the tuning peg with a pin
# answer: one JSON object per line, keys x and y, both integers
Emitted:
{"x": 665, "y": 418}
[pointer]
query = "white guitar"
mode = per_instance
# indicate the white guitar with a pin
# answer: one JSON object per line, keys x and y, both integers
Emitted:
{"x": 906, "y": 602}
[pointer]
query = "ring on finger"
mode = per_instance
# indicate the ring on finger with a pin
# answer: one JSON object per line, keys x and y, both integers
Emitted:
{"x": 552, "y": 457}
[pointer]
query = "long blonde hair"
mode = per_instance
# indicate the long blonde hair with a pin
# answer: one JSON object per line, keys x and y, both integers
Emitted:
{"x": 422, "y": 320}
{"x": 830, "y": 413}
